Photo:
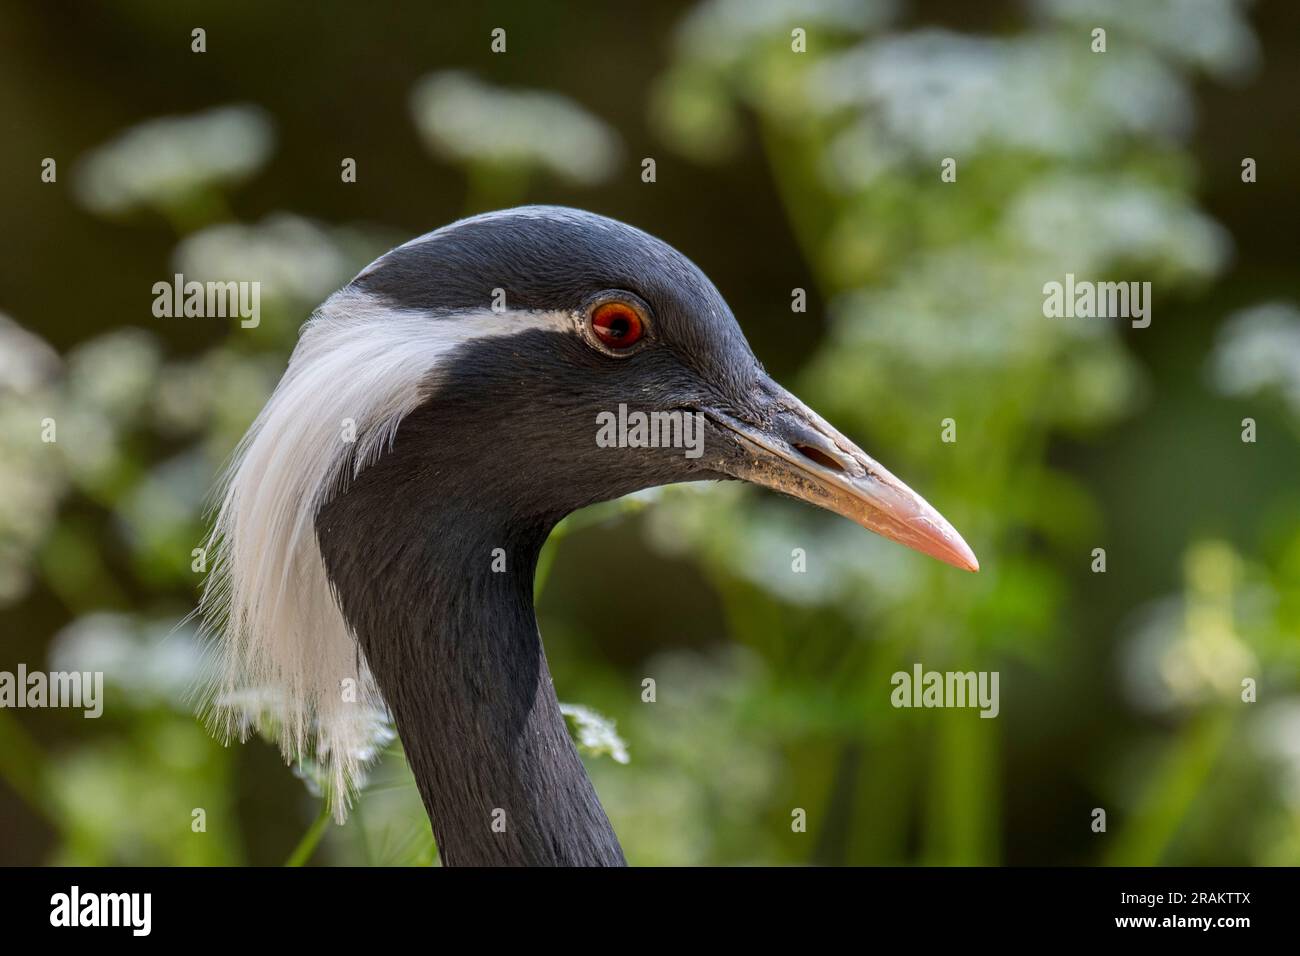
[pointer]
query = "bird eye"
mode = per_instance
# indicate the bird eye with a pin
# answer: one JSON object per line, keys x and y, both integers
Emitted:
{"x": 617, "y": 325}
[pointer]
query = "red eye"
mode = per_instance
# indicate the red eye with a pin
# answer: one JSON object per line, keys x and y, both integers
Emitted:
{"x": 617, "y": 325}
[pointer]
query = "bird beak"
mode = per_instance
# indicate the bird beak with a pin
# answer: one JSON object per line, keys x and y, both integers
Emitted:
{"x": 798, "y": 453}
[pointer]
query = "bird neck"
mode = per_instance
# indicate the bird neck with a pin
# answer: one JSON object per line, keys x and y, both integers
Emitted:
{"x": 442, "y": 603}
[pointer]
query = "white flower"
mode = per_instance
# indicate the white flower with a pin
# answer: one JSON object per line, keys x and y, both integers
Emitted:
{"x": 293, "y": 258}
{"x": 597, "y": 734}
{"x": 939, "y": 93}
{"x": 721, "y": 31}
{"x": 1277, "y": 733}
{"x": 161, "y": 162}
{"x": 1188, "y": 650}
{"x": 1258, "y": 349}
{"x": 114, "y": 374}
{"x": 1210, "y": 34}
{"x": 26, "y": 361}
{"x": 1081, "y": 224}
{"x": 465, "y": 120}
{"x": 150, "y": 660}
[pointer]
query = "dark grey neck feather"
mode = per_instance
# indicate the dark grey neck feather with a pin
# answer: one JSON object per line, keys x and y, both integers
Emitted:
{"x": 458, "y": 657}
{"x": 455, "y": 649}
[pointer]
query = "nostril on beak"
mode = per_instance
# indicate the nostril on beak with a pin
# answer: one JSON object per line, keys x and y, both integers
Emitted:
{"x": 819, "y": 456}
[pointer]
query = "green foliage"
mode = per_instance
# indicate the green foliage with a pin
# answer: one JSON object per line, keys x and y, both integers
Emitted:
{"x": 1126, "y": 696}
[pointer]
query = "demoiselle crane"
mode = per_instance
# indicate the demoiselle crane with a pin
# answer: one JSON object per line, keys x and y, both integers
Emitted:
{"x": 380, "y": 523}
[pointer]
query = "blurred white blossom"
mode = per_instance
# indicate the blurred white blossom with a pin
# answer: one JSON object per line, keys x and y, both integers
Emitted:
{"x": 465, "y": 120}
{"x": 1188, "y": 650}
{"x": 154, "y": 662}
{"x": 31, "y": 471}
{"x": 28, "y": 507}
{"x": 1081, "y": 223}
{"x": 109, "y": 381}
{"x": 1212, "y": 35}
{"x": 1277, "y": 733}
{"x": 163, "y": 162}
{"x": 596, "y": 733}
{"x": 220, "y": 393}
{"x": 722, "y": 31}
{"x": 26, "y": 360}
{"x": 1259, "y": 349}
{"x": 295, "y": 259}
{"x": 114, "y": 373}
{"x": 937, "y": 93}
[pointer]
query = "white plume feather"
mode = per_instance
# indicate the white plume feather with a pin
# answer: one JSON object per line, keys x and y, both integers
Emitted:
{"x": 281, "y": 647}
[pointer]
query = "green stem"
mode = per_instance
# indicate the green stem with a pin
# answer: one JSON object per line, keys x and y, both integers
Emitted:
{"x": 547, "y": 558}
{"x": 1187, "y": 767}
{"x": 961, "y": 812}
{"x": 311, "y": 839}
{"x": 22, "y": 766}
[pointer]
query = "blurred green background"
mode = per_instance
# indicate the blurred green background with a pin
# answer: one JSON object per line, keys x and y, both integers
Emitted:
{"x": 775, "y": 170}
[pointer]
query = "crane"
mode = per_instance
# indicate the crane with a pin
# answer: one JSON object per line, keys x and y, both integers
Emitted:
{"x": 380, "y": 523}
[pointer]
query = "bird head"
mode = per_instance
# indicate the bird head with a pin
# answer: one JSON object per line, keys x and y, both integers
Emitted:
{"x": 592, "y": 360}
{"x": 466, "y": 391}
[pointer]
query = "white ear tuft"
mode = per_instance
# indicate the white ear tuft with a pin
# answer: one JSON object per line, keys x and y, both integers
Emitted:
{"x": 281, "y": 650}
{"x": 284, "y": 650}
